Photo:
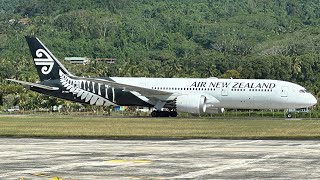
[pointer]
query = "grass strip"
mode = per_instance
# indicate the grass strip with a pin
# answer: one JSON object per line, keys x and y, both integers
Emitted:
{"x": 151, "y": 128}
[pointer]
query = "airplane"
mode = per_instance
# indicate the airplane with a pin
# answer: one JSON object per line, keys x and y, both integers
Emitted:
{"x": 166, "y": 95}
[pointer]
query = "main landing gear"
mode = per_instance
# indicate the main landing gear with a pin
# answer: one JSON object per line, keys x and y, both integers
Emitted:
{"x": 289, "y": 115}
{"x": 164, "y": 113}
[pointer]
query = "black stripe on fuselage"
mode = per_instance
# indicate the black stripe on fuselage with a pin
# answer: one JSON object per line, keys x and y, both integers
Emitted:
{"x": 120, "y": 97}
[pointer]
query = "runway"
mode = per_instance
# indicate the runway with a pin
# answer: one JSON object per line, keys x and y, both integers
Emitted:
{"x": 32, "y": 158}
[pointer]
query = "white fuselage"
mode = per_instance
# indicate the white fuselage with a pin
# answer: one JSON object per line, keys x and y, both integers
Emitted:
{"x": 232, "y": 93}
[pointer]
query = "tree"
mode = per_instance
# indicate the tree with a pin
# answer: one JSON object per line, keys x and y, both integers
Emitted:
{"x": 258, "y": 39}
{"x": 232, "y": 73}
{"x": 7, "y": 70}
{"x": 1, "y": 98}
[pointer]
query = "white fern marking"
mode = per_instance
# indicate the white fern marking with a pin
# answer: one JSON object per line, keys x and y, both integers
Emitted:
{"x": 89, "y": 96}
{"x": 80, "y": 92}
{"x": 76, "y": 91}
{"x": 94, "y": 100}
{"x": 106, "y": 88}
{"x": 69, "y": 87}
{"x": 84, "y": 95}
{"x": 113, "y": 95}
{"x": 99, "y": 90}
{"x": 74, "y": 87}
{"x": 100, "y": 102}
{"x": 88, "y": 83}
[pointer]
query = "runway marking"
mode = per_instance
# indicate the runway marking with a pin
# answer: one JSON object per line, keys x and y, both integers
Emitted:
{"x": 120, "y": 161}
{"x": 40, "y": 174}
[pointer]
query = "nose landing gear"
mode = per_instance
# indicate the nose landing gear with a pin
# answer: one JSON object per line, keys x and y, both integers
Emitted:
{"x": 289, "y": 115}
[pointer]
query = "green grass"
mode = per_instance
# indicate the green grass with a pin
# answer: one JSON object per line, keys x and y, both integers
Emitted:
{"x": 105, "y": 127}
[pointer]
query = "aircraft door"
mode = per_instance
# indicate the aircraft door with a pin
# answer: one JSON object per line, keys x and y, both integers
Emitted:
{"x": 284, "y": 91}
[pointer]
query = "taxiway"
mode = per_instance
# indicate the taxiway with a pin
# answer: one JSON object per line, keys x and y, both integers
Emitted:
{"x": 32, "y": 158}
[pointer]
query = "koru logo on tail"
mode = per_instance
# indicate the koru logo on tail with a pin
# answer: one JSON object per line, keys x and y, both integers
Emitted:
{"x": 45, "y": 60}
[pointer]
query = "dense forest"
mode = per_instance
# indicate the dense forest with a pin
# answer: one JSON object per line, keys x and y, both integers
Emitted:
{"x": 267, "y": 39}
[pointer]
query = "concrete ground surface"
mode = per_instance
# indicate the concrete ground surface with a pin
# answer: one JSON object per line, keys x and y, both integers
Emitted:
{"x": 35, "y": 158}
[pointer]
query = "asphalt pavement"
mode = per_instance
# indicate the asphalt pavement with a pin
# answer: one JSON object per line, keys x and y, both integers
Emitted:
{"x": 33, "y": 158}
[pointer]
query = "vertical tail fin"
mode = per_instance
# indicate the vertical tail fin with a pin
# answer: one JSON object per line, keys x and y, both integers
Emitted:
{"x": 48, "y": 66}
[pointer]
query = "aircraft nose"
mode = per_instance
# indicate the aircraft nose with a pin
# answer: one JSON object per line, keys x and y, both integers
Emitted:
{"x": 313, "y": 100}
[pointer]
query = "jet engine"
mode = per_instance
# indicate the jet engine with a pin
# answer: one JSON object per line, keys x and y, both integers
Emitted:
{"x": 211, "y": 110}
{"x": 192, "y": 103}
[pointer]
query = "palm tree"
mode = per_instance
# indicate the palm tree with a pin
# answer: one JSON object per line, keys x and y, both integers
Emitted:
{"x": 296, "y": 67}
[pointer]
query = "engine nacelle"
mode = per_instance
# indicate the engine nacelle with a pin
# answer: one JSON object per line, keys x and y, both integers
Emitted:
{"x": 214, "y": 110}
{"x": 193, "y": 103}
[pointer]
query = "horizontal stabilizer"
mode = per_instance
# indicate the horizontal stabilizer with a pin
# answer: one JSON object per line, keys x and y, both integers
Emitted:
{"x": 35, "y": 85}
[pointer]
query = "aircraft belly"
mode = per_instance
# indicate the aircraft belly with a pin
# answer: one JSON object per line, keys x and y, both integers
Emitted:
{"x": 246, "y": 102}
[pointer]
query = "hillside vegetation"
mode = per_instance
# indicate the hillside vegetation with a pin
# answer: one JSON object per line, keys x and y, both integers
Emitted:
{"x": 267, "y": 39}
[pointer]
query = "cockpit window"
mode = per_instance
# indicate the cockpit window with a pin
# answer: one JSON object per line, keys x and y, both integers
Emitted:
{"x": 302, "y": 91}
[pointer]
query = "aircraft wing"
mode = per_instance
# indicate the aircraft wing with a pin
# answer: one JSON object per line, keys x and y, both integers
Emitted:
{"x": 35, "y": 85}
{"x": 149, "y": 93}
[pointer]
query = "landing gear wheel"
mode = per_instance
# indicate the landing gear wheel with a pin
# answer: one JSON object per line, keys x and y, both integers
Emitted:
{"x": 154, "y": 114}
{"x": 289, "y": 115}
{"x": 173, "y": 113}
{"x": 164, "y": 113}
